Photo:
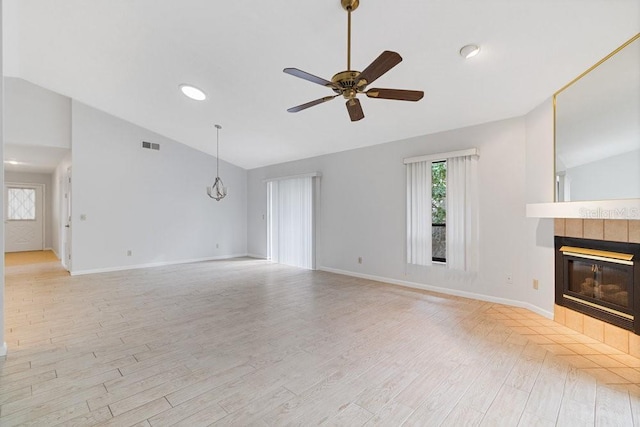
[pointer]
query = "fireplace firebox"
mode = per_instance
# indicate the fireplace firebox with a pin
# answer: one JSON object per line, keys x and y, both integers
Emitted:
{"x": 600, "y": 279}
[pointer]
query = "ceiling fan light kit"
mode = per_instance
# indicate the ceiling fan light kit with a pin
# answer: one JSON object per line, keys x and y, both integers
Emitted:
{"x": 350, "y": 83}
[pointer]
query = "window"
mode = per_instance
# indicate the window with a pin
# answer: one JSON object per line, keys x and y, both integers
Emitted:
{"x": 442, "y": 210}
{"x": 439, "y": 211}
{"x": 21, "y": 204}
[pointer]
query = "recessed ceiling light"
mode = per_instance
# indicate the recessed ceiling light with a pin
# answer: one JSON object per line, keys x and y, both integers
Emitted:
{"x": 193, "y": 92}
{"x": 469, "y": 51}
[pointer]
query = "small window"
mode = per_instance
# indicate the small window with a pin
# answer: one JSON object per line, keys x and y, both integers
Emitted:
{"x": 21, "y": 204}
{"x": 439, "y": 211}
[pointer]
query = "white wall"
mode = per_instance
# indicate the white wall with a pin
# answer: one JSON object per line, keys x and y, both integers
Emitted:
{"x": 57, "y": 199}
{"x": 3, "y": 345}
{"x": 539, "y": 255}
{"x": 35, "y": 115}
{"x": 362, "y": 211}
{"x": 616, "y": 177}
{"x": 38, "y": 178}
{"x": 153, "y": 203}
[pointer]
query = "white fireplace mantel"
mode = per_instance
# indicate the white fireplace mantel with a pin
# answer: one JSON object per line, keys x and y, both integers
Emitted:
{"x": 599, "y": 209}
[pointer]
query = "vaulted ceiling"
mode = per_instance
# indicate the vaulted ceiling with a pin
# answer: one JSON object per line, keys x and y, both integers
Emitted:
{"x": 127, "y": 57}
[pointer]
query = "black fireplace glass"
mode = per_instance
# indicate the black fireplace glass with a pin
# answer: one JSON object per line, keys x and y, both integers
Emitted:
{"x": 602, "y": 281}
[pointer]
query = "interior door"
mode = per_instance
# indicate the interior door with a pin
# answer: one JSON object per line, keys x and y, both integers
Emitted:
{"x": 24, "y": 217}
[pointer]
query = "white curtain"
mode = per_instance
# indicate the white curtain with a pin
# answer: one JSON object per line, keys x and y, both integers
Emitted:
{"x": 462, "y": 213}
{"x": 290, "y": 228}
{"x": 419, "y": 213}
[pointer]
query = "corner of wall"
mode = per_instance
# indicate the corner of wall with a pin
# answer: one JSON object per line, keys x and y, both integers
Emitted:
{"x": 539, "y": 152}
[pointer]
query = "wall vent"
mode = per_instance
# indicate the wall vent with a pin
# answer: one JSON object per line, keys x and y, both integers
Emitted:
{"x": 151, "y": 145}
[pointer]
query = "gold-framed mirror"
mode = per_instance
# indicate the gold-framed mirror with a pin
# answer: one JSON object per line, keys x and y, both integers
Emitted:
{"x": 597, "y": 130}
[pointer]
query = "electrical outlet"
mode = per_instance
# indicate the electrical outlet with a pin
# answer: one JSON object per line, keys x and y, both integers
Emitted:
{"x": 509, "y": 279}
{"x": 359, "y": 260}
{"x": 217, "y": 246}
{"x": 129, "y": 252}
{"x": 535, "y": 284}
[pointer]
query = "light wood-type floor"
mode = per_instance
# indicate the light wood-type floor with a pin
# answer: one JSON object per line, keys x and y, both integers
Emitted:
{"x": 246, "y": 342}
{"x": 29, "y": 257}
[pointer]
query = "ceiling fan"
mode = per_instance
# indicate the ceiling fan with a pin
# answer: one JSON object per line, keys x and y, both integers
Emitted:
{"x": 350, "y": 83}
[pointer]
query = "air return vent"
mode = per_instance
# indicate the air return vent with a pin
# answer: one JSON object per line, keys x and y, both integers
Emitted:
{"x": 151, "y": 145}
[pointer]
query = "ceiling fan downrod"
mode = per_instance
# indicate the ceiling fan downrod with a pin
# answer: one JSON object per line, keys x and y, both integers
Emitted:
{"x": 349, "y": 6}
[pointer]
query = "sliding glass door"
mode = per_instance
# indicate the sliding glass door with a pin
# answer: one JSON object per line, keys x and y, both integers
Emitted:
{"x": 290, "y": 227}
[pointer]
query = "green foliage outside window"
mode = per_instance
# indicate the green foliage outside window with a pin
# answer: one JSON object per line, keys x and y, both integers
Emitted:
{"x": 439, "y": 193}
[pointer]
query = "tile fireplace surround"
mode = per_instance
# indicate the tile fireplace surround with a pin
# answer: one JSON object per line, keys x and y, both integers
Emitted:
{"x": 616, "y": 230}
{"x": 599, "y": 229}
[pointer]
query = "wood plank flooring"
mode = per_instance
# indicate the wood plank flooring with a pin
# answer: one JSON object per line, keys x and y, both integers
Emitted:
{"x": 29, "y": 257}
{"x": 247, "y": 342}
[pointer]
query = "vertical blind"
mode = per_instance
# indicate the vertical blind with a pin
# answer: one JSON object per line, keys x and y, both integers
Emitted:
{"x": 462, "y": 213}
{"x": 419, "y": 213}
{"x": 290, "y": 221}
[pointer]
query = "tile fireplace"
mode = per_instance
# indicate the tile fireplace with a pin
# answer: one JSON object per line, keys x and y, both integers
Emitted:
{"x": 600, "y": 279}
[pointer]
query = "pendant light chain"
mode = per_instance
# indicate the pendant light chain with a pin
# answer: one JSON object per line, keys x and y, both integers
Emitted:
{"x": 218, "y": 150}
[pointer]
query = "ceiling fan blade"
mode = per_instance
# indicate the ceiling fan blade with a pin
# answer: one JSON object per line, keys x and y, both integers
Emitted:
{"x": 397, "y": 94}
{"x": 309, "y": 77}
{"x": 310, "y": 104}
{"x": 383, "y": 63}
{"x": 355, "y": 109}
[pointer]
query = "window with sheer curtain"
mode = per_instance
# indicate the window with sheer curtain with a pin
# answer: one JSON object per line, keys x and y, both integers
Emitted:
{"x": 290, "y": 228}
{"x": 461, "y": 209}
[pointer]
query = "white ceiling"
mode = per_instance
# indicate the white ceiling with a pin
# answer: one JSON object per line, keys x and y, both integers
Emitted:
{"x": 127, "y": 57}
{"x": 34, "y": 159}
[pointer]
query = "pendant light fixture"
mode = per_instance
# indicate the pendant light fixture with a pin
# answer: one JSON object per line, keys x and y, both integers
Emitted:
{"x": 217, "y": 190}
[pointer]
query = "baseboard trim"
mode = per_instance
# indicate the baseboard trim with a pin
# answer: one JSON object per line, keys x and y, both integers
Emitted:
{"x": 153, "y": 264}
{"x": 3, "y": 349}
{"x": 54, "y": 252}
{"x": 256, "y": 256}
{"x": 447, "y": 291}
